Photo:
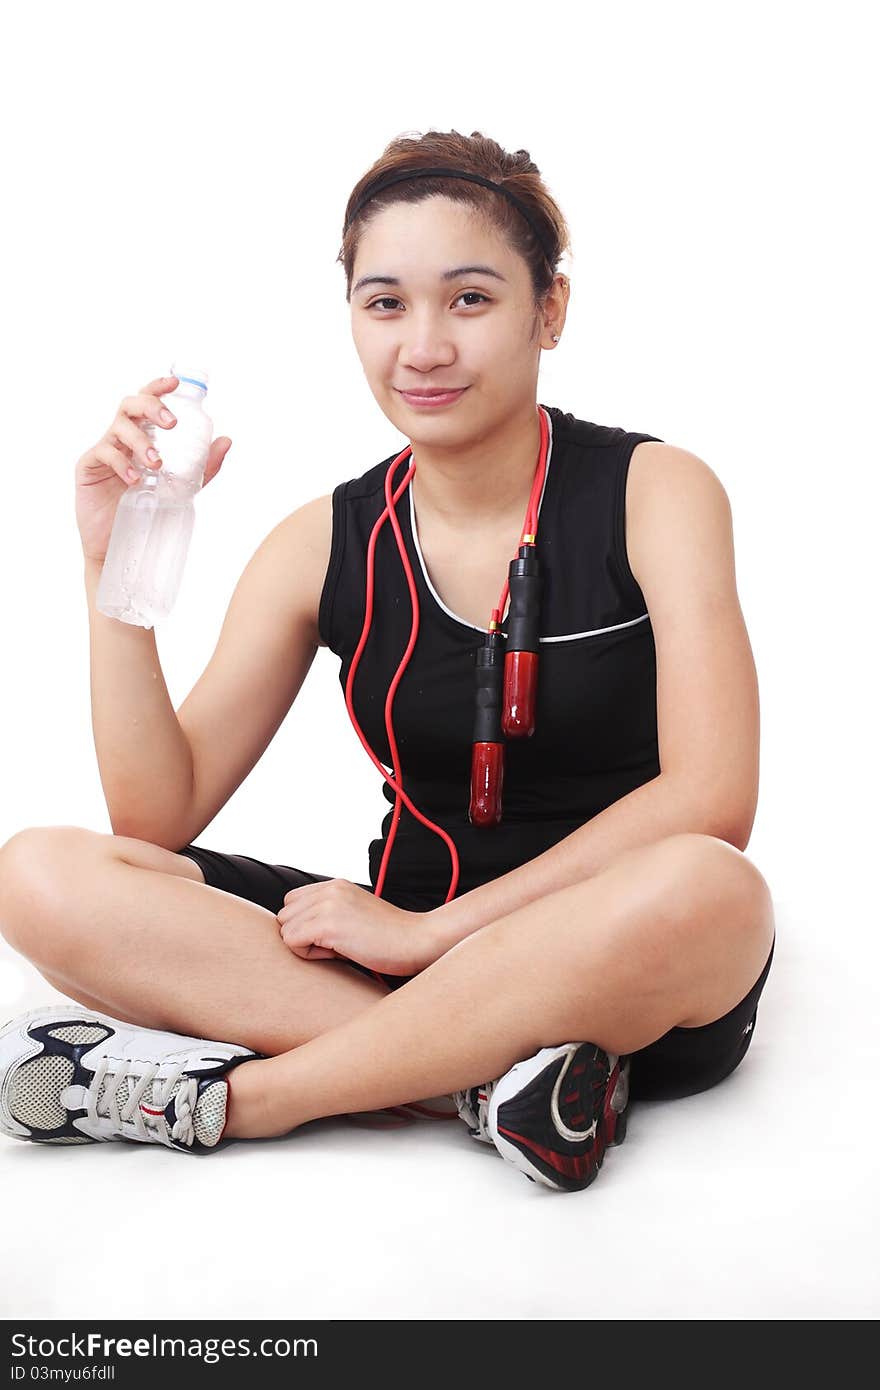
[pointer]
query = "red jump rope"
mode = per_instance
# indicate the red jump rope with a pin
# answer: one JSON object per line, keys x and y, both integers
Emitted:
{"x": 506, "y": 676}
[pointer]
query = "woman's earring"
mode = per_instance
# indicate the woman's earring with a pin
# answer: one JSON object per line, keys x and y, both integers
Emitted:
{"x": 556, "y": 337}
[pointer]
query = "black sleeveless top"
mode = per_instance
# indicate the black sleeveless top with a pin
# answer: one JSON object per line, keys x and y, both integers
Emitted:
{"x": 595, "y": 735}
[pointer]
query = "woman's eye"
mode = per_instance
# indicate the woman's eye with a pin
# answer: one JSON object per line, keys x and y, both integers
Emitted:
{"x": 465, "y": 294}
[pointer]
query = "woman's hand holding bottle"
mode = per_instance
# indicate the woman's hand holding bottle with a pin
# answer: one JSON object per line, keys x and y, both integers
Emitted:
{"x": 116, "y": 463}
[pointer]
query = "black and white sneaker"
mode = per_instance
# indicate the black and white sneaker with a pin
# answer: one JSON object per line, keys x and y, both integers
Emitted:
{"x": 71, "y": 1076}
{"x": 553, "y": 1115}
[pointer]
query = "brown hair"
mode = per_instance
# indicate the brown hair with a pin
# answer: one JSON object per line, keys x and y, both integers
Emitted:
{"x": 474, "y": 153}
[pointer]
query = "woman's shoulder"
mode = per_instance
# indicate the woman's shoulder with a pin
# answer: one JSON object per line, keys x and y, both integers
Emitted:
{"x": 657, "y": 468}
{"x": 672, "y": 495}
{"x": 300, "y": 552}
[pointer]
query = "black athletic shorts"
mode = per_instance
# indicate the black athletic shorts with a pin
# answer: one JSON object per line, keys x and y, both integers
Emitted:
{"x": 681, "y": 1063}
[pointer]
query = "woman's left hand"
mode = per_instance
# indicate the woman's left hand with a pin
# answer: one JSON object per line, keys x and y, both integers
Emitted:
{"x": 337, "y": 919}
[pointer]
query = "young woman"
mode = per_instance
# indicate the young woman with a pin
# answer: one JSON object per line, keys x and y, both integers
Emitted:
{"x": 606, "y": 937}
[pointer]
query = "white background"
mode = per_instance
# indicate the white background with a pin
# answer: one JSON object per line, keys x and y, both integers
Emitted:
{"x": 175, "y": 177}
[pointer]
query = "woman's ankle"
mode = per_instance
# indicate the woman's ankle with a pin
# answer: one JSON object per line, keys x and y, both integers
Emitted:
{"x": 248, "y": 1108}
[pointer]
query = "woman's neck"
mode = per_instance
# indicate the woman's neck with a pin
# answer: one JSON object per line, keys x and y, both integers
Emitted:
{"x": 485, "y": 484}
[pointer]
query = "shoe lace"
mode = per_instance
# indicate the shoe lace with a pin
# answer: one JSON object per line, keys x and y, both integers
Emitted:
{"x": 146, "y": 1118}
{"x": 477, "y": 1100}
{"x": 484, "y": 1095}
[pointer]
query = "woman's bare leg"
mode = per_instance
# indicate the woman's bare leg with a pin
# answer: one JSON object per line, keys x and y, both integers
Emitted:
{"x": 133, "y": 930}
{"x": 672, "y": 934}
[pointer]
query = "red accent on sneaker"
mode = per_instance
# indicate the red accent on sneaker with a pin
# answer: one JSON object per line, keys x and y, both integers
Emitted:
{"x": 570, "y": 1165}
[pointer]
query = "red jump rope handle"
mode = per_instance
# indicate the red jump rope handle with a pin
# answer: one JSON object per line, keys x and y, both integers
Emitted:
{"x": 523, "y": 641}
{"x": 487, "y": 781}
{"x": 520, "y": 694}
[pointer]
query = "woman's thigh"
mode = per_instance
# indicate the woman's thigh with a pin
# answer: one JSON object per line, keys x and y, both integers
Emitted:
{"x": 265, "y": 884}
{"x": 686, "y": 1061}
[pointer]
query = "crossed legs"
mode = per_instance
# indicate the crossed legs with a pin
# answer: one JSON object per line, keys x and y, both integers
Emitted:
{"x": 673, "y": 933}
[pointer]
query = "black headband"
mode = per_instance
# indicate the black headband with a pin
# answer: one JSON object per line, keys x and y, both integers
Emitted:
{"x": 454, "y": 174}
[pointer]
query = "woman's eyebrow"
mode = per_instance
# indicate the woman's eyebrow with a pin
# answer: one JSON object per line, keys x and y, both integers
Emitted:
{"x": 446, "y": 275}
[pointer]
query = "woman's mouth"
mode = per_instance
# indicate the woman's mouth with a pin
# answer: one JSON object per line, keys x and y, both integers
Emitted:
{"x": 431, "y": 402}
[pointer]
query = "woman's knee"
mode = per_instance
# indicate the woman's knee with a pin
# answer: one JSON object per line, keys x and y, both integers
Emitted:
{"x": 723, "y": 889}
{"x": 717, "y": 871}
{"x": 690, "y": 878}
{"x": 41, "y": 866}
{"x": 36, "y": 866}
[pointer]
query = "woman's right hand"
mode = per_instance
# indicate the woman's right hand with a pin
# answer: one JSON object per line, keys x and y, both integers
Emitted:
{"x": 102, "y": 473}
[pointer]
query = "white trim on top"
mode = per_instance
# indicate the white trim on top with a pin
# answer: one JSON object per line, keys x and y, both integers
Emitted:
{"x": 474, "y": 627}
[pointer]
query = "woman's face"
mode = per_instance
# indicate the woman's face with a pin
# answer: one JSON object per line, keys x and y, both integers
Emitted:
{"x": 474, "y": 329}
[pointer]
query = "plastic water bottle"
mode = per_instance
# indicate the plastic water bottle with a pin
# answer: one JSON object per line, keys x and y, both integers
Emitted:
{"x": 154, "y": 519}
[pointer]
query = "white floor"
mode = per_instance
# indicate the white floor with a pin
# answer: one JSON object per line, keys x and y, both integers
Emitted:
{"x": 754, "y": 1200}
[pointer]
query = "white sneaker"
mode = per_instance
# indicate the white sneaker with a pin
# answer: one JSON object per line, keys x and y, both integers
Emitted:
{"x": 71, "y": 1076}
{"x": 473, "y": 1108}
